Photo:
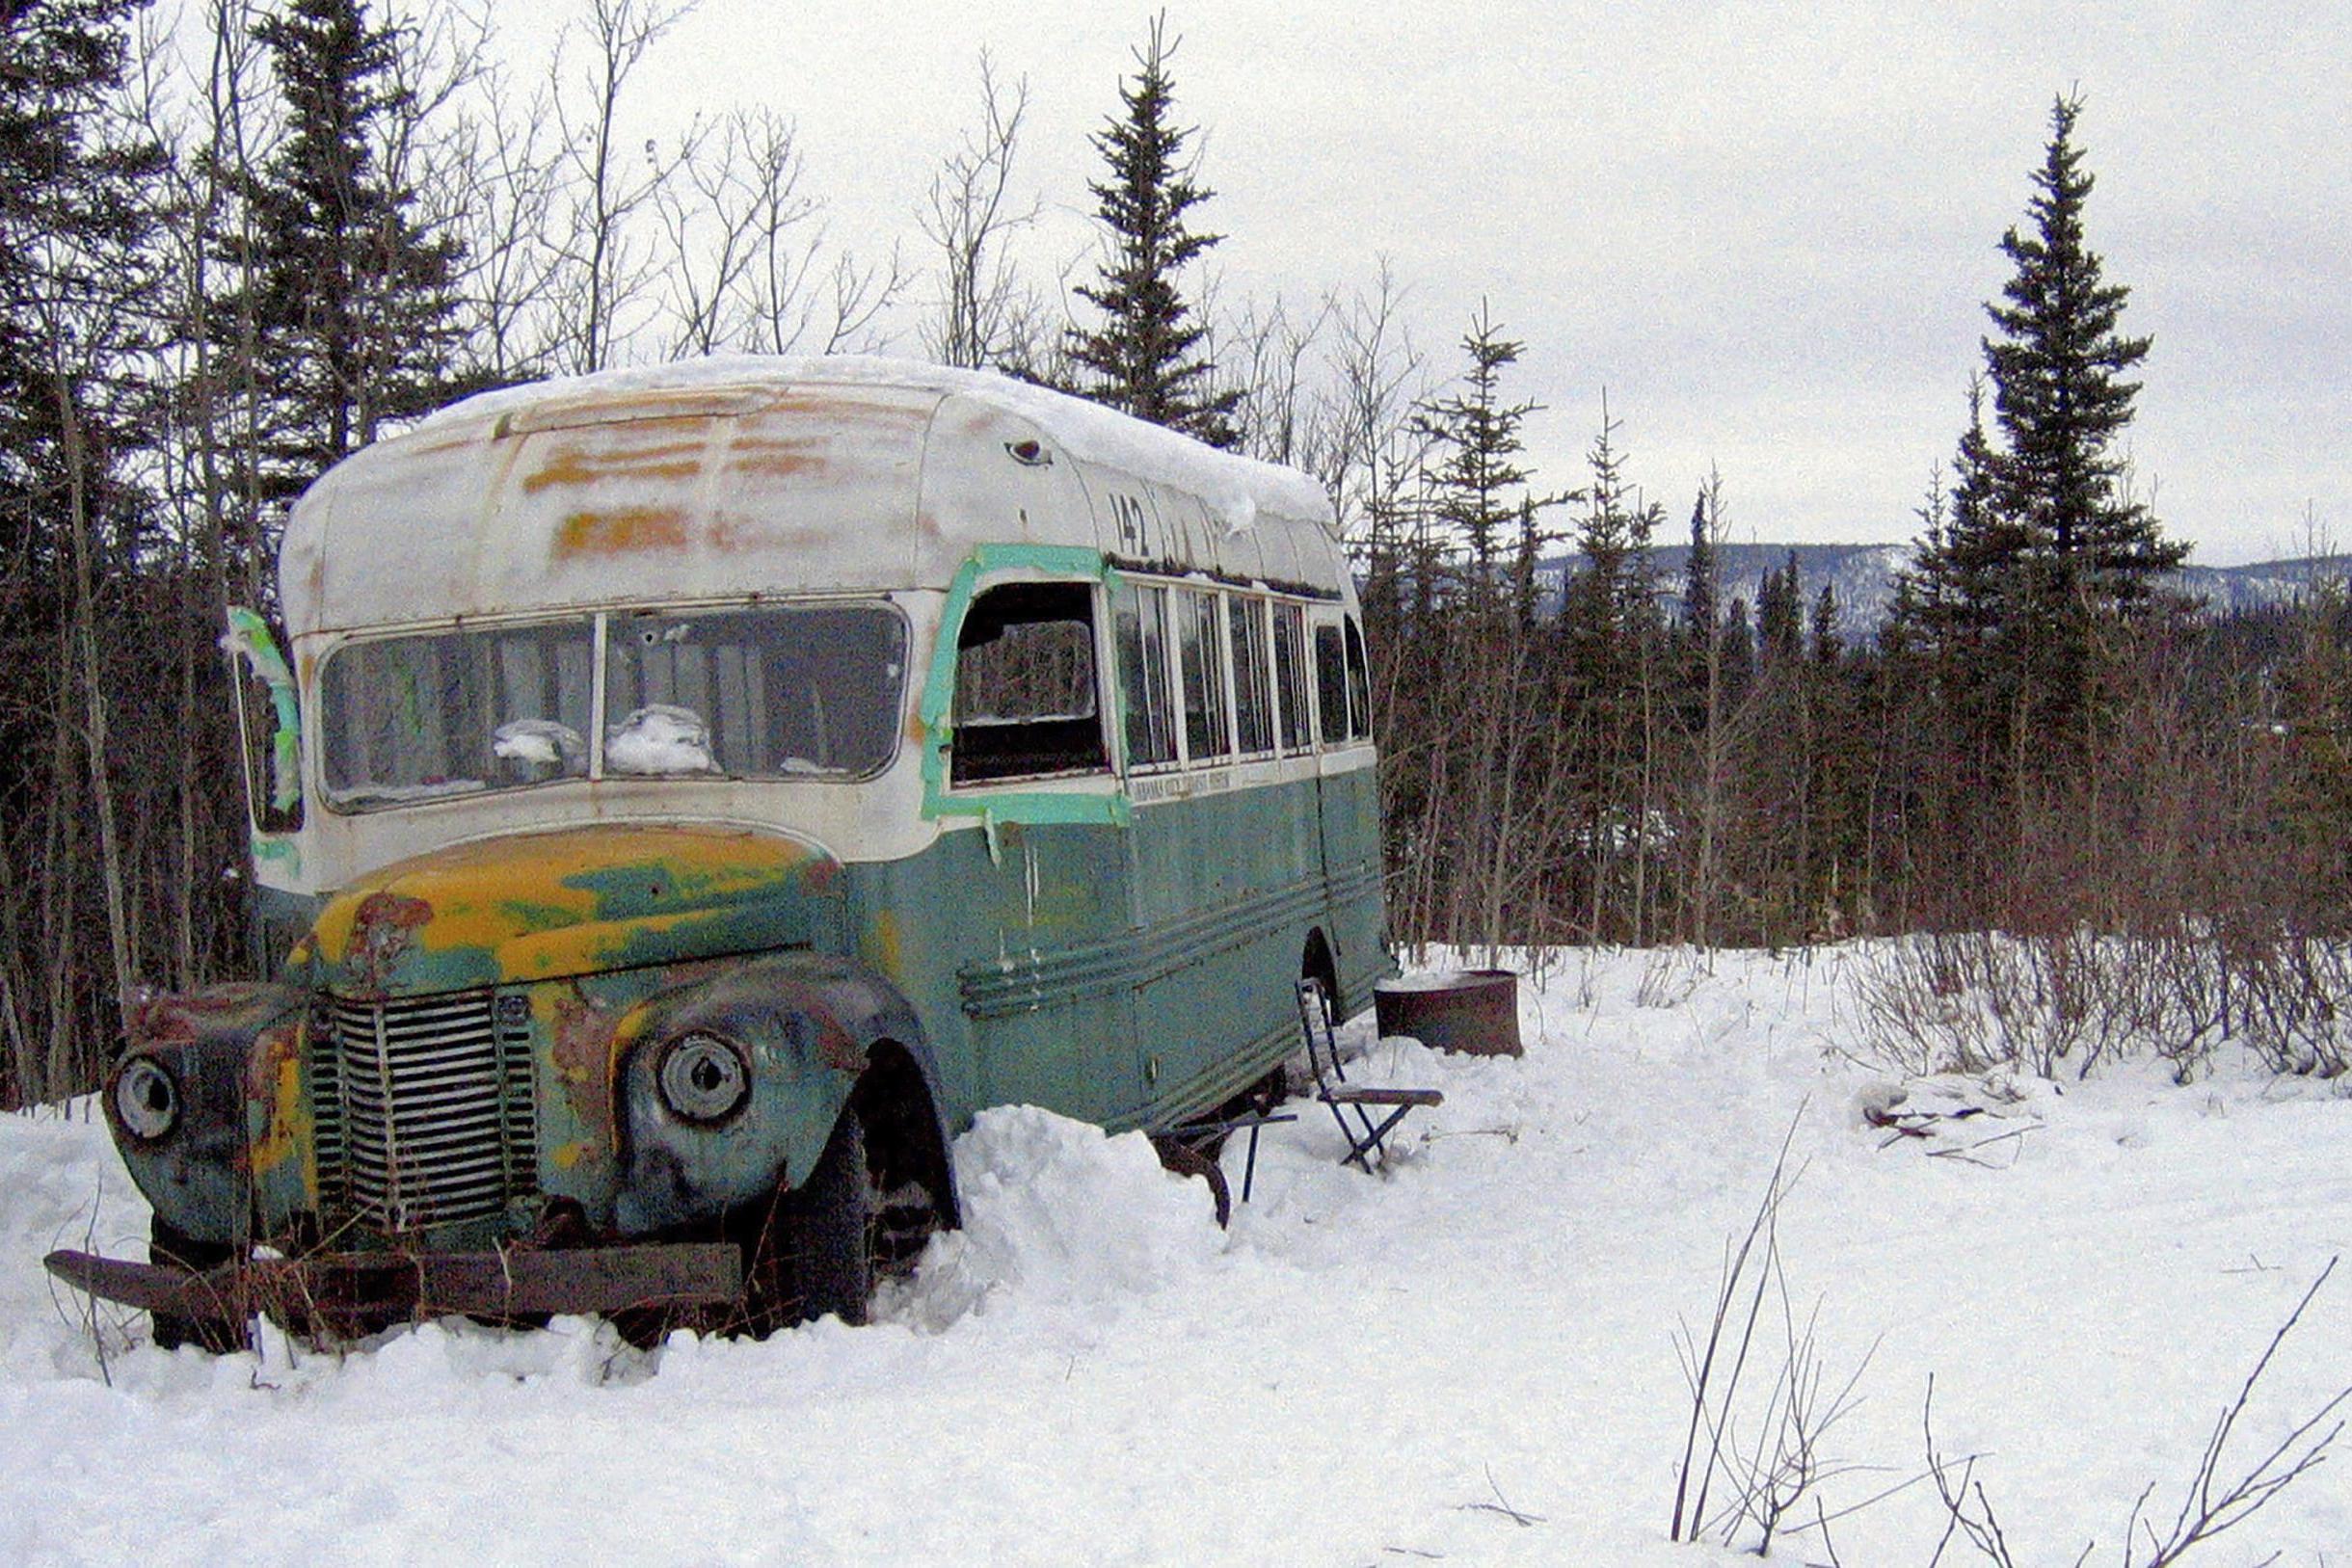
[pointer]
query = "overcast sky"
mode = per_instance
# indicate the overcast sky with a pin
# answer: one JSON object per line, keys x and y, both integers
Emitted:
{"x": 1764, "y": 231}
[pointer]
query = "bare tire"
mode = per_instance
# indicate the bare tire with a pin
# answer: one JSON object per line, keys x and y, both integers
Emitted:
{"x": 219, "y": 1332}
{"x": 806, "y": 1251}
{"x": 830, "y": 1225}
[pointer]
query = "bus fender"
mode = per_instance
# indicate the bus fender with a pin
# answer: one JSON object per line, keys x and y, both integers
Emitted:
{"x": 199, "y": 1076}
{"x": 806, "y": 1030}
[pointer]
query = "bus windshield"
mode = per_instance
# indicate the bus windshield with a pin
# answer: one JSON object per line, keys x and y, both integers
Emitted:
{"x": 763, "y": 692}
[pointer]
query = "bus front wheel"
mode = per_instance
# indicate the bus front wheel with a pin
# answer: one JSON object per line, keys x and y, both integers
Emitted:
{"x": 829, "y": 1229}
{"x": 210, "y": 1331}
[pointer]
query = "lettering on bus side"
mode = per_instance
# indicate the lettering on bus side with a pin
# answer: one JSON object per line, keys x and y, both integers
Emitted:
{"x": 1178, "y": 785}
{"x": 1131, "y": 522}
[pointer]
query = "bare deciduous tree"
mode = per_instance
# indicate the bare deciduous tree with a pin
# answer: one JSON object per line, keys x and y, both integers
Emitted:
{"x": 604, "y": 271}
{"x": 968, "y": 215}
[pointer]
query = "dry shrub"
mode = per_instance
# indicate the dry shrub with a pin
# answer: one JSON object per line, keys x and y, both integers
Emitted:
{"x": 1972, "y": 1000}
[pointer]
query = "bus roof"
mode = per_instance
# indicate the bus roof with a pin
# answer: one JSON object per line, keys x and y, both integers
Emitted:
{"x": 723, "y": 477}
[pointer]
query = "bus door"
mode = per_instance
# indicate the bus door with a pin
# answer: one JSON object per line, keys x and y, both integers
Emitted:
{"x": 1040, "y": 893}
{"x": 1350, "y": 804}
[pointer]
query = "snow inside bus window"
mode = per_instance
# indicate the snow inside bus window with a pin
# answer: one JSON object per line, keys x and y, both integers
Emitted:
{"x": 772, "y": 691}
{"x": 453, "y": 712}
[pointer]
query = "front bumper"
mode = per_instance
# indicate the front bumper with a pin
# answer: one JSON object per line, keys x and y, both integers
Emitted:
{"x": 346, "y": 1292}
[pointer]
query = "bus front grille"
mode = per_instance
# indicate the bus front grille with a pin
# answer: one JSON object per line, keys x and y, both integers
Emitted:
{"x": 422, "y": 1109}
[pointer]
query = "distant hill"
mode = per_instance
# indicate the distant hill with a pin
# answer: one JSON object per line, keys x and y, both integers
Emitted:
{"x": 1865, "y": 577}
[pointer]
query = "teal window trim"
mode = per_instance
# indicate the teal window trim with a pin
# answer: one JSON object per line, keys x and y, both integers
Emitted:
{"x": 1038, "y": 806}
{"x": 250, "y": 635}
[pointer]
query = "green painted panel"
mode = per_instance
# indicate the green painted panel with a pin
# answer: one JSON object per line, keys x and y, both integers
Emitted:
{"x": 1128, "y": 976}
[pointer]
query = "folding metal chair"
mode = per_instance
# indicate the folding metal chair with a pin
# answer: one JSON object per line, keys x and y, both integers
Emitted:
{"x": 1192, "y": 1150}
{"x": 1365, "y": 1135}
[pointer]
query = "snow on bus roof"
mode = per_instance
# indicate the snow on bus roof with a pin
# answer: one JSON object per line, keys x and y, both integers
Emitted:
{"x": 1237, "y": 486}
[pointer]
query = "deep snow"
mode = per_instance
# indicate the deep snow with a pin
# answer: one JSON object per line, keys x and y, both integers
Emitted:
{"x": 1363, "y": 1370}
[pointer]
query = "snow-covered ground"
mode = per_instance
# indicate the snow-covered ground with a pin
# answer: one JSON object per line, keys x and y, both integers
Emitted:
{"x": 1472, "y": 1359}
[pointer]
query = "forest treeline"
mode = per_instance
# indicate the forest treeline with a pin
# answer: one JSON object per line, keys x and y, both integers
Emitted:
{"x": 242, "y": 238}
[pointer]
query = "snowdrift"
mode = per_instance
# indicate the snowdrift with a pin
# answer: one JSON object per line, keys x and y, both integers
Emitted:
{"x": 1471, "y": 1358}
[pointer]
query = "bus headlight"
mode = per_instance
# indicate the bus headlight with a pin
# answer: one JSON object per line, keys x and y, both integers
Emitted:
{"x": 147, "y": 1099}
{"x": 703, "y": 1078}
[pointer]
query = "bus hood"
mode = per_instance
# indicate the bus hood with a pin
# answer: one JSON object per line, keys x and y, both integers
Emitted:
{"x": 548, "y": 905}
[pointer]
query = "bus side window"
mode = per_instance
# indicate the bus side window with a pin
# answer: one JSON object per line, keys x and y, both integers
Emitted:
{"x": 1024, "y": 686}
{"x": 1291, "y": 676}
{"x": 1253, "y": 698}
{"x": 1331, "y": 685}
{"x": 1139, "y": 635}
{"x": 1206, "y": 732}
{"x": 1359, "y": 686}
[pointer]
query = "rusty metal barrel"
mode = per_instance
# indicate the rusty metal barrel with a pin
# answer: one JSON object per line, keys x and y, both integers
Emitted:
{"x": 1473, "y": 1011}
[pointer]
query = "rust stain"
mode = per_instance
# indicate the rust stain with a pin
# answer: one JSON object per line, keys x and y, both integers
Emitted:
{"x": 569, "y": 466}
{"x": 623, "y": 531}
{"x": 791, "y": 457}
{"x": 849, "y": 409}
{"x": 582, "y": 1056}
{"x": 161, "y": 1021}
{"x": 782, "y": 465}
{"x": 730, "y": 532}
{"x": 835, "y": 1046}
{"x": 181, "y": 1018}
{"x": 274, "y": 1053}
{"x": 641, "y": 406}
{"x": 383, "y": 928}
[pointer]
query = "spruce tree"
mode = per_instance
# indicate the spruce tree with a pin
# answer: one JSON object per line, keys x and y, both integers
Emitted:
{"x": 1144, "y": 358}
{"x": 1828, "y": 643}
{"x": 353, "y": 306}
{"x": 1612, "y": 640}
{"x": 77, "y": 203}
{"x": 1700, "y": 584}
{"x": 2058, "y": 364}
{"x": 1781, "y": 615}
{"x": 2041, "y": 543}
{"x": 1477, "y": 485}
{"x": 1738, "y": 645}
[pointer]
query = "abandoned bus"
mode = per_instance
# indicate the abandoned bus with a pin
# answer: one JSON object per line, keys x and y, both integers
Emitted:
{"x": 688, "y": 796}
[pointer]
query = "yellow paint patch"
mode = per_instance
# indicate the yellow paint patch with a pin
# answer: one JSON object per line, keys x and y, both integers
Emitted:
{"x": 882, "y": 943}
{"x": 553, "y": 893}
{"x": 289, "y": 1124}
{"x": 568, "y": 1155}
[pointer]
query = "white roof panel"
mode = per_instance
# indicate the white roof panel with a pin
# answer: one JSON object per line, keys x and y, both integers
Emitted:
{"x": 720, "y": 477}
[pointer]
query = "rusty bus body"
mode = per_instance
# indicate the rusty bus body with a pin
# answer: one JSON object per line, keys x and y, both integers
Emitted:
{"x": 689, "y": 795}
